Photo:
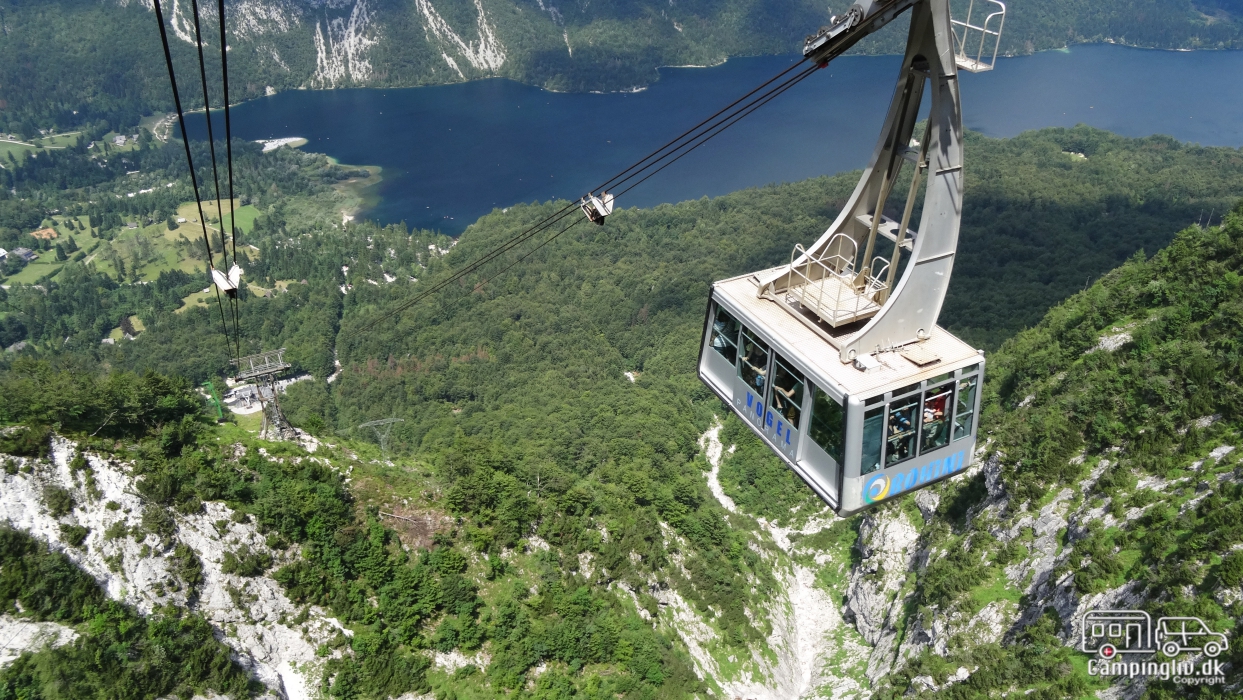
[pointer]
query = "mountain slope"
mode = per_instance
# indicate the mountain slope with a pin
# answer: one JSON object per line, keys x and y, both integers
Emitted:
{"x": 564, "y": 516}
{"x": 71, "y": 62}
{"x": 1109, "y": 479}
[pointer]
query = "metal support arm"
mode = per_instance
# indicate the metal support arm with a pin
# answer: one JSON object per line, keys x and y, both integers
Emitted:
{"x": 912, "y": 306}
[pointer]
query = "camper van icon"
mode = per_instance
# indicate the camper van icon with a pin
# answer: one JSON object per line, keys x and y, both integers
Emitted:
{"x": 1111, "y": 633}
{"x": 1108, "y": 633}
{"x": 1179, "y": 634}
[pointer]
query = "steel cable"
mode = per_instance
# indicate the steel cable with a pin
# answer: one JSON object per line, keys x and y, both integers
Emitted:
{"x": 185, "y": 139}
{"x": 714, "y": 128}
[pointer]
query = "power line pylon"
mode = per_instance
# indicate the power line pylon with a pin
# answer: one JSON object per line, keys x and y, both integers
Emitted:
{"x": 264, "y": 368}
{"x": 387, "y": 424}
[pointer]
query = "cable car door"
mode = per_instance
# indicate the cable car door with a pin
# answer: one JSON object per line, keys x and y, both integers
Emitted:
{"x": 785, "y": 407}
{"x": 751, "y": 381}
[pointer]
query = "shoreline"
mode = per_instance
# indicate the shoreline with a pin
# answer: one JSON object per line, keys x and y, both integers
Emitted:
{"x": 640, "y": 88}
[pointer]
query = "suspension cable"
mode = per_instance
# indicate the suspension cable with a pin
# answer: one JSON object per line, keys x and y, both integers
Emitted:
{"x": 684, "y": 134}
{"x": 228, "y": 128}
{"x": 211, "y": 139}
{"x": 681, "y": 146}
{"x": 770, "y": 97}
{"x": 496, "y": 252}
{"x": 215, "y": 173}
{"x": 185, "y": 139}
{"x": 228, "y": 145}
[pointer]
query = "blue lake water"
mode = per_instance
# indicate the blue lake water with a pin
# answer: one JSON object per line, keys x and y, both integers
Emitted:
{"x": 452, "y": 153}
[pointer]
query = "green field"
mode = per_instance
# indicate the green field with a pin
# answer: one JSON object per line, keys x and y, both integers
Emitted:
{"x": 130, "y": 144}
{"x": 65, "y": 140}
{"x": 21, "y": 148}
{"x": 18, "y": 149}
{"x": 47, "y": 263}
{"x": 118, "y": 334}
{"x": 245, "y": 218}
{"x": 153, "y": 249}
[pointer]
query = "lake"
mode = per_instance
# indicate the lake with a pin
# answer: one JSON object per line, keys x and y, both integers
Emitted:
{"x": 453, "y": 153}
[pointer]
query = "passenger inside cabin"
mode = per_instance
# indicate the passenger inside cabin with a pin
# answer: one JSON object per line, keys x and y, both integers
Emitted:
{"x": 898, "y": 423}
{"x": 755, "y": 375}
{"x": 783, "y": 402}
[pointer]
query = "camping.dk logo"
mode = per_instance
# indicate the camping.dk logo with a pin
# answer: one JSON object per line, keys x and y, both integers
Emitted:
{"x": 1113, "y": 634}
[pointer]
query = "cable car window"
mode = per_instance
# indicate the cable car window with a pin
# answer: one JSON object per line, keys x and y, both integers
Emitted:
{"x": 787, "y": 392}
{"x": 725, "y": 335}
{"x": 828, "y": 421}
{"x": 968, "y": 370}
{"x": 935, "y": 423}
{"x": 964, "y": 407}
{"x": 873, "y": 432}
{"x": 940, "y": 378}
{"x": 900, "y": 430}
{"x": 875, "y": 399}
{"x": 753, "y": 365}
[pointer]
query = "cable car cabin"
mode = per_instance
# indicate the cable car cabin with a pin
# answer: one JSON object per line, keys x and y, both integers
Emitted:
{"x": 856, "y": 434}
{"x": 836, "y": 360}
{"x": 597, "y": 208}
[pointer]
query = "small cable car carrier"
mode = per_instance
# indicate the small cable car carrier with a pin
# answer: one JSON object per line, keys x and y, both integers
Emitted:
{"x": 597, "y": 208}
{"x": 836, "y": 360}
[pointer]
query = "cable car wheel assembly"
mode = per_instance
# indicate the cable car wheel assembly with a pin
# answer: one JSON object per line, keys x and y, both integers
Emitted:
{"x": 834, "y": 360}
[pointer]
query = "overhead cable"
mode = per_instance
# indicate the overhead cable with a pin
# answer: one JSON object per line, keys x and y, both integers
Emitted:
{"x": 185, "y": 139}
{"x": 228, "y": 145}
{"x": 215, "y": 172}
{"x": 671, "y": 152}
{"x": 613, "y": 181}
{"x": 763, "y": 100}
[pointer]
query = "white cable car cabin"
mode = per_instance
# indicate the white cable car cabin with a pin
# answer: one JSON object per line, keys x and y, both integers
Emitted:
{"x": 227, "y": 282}
{"x": 597, "y": 208}
{"x": 834, "y": 361}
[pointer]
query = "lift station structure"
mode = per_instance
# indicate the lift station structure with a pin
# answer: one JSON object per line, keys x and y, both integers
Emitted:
{"x": 263, "y": 368}
{"x": 835, "y": 360}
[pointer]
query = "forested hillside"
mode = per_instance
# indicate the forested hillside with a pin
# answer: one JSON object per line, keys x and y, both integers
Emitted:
{"x": 1076, "y": 507}
{"x": 69, "y": 63}
{"x": 1048, "y": 212}
{"x": 1111, "y": 477}
{"x": 562, "y": 517}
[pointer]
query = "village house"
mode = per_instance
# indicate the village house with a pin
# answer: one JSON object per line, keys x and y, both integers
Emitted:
{"x": 26, "y": 254}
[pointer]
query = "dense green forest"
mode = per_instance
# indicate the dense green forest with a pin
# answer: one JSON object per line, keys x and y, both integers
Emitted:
{"x": 1049, "y": 212}
{"x": 1128, "y": 433}
{"x": 71, "y": 64}
{"x": 575, "y": 494}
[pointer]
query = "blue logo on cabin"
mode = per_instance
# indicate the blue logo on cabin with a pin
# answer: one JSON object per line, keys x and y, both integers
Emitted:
{"x": 882, "y": 486}
{"x": 767, "y": 418}
{"x": 783, "y": 432}
{"x": 757, "y": 406}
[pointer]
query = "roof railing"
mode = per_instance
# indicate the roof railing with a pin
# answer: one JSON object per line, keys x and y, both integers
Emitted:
{"x": 970, "y": 55}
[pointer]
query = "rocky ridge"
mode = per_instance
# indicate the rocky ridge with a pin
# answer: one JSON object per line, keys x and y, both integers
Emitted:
{"x": 273, "y": 638}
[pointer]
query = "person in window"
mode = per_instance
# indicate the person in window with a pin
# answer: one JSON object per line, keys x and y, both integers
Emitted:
{"x": 900, "y": 450}
{"x": 759, "y": 380}
{"x": 898, "y": 422}
{"x": 783, "y": 401}
{"x": 752, "y": 351}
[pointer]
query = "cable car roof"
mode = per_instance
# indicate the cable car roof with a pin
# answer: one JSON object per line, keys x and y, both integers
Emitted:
{"x": 820, "y": 356}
